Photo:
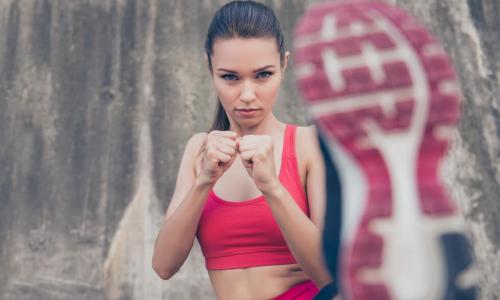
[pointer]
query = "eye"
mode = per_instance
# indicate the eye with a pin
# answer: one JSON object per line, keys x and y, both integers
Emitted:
{"x": 264, "y": 74}
{"x": 229, "y": 77}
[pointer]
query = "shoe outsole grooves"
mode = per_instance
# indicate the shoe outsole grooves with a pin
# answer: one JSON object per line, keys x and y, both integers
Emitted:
{"x": 373, "y": 79}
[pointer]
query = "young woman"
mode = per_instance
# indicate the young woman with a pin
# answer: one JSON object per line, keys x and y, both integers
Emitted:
{"x": 252, "y": 189}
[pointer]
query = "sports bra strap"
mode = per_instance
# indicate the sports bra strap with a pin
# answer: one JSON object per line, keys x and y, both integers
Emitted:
{"x": 289, "y": 141}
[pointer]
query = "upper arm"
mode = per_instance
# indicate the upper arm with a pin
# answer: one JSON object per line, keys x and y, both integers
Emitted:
{"x": 186, "y": 174}
{"x": 315, "y": 176}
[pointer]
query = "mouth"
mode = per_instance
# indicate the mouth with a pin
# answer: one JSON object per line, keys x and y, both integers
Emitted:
{"x": 247, "y": 109}
{"x": 247, "y": 112}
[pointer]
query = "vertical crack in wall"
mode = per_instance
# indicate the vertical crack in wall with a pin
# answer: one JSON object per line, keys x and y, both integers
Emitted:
{"x": 128, "y": 268}
{"x": 129, "y": 259}
{"x": 467, "y": 27}
{"x": 473, "y": 175}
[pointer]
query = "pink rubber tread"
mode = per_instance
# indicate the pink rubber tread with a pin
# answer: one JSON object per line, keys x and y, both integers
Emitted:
{"x": 347, "y": 128}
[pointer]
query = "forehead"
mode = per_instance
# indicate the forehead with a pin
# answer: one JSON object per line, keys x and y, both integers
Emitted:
{"x": 245, "y": 53}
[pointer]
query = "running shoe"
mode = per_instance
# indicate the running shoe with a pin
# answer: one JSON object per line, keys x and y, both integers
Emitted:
{"x": 384, "y": 96}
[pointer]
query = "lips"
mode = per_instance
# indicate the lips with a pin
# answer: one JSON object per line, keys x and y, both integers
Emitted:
{"x": 247, "y": 112}
{"x": 247, "y": 109}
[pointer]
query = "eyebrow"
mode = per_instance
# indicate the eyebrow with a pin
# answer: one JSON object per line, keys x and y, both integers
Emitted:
{"x": 254, "y": 71}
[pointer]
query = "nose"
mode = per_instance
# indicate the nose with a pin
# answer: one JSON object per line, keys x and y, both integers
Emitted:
{"x": 247, "y": 92}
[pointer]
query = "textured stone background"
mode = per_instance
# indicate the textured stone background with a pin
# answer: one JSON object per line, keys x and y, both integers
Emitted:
{"x": 97, "y": 100}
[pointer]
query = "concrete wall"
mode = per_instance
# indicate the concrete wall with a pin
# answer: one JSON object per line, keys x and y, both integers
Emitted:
{"x": 97, "y": 100}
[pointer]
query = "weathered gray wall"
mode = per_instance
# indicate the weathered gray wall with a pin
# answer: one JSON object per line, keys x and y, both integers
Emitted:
{"x": 97, "y": 99}
{"x": 470, "y": 31}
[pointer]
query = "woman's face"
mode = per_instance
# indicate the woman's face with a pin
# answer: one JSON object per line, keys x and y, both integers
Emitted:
{"x": 247, "y": 75}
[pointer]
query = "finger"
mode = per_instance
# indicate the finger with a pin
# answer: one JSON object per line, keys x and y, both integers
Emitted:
{"x": 246, "y": 155}
{"x": 249, "y": 137}
{"x": 263, "y": 144}
{"x": 259, "y": 138}
{"x": 223, "y": 158}
{"x": 217, "y": 156}
{"x": 247, "y": 164}
{"x": 228, "y": 164}
{"x": 225, "y": 149}
{"x": 215, "y": 136}
{"x": 248, "y": 145}
{"x": 227, "y": 134}
{"x": 247, "y": 161}
{"x": 221, "y": 143}
{"x": 229, "y": 142}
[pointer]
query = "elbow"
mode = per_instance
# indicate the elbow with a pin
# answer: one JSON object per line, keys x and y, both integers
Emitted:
{"x": 163, "y": 272}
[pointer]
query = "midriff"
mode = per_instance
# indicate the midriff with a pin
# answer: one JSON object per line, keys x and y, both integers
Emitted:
{"x": 256, "y": 283}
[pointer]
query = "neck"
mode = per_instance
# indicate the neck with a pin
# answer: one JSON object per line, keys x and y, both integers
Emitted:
{"x": 270, "y": 126}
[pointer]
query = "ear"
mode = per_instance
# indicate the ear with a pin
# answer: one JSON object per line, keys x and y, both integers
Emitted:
{"x": 285, "y": 64}
{"x": 285, "y": 61}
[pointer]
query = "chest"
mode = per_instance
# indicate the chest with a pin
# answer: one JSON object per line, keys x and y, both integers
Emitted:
{"x": 236, "y": 185}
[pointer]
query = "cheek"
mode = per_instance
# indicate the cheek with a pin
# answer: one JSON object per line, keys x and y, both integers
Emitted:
{"x": 225, "y": 93}
{"x": 269, "y": 92}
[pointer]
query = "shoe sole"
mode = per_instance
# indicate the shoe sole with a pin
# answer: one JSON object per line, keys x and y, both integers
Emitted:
{"x": 384, "y": 94}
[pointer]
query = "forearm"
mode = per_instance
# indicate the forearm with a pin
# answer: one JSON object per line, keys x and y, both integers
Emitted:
{"x": 301, "y": 234}
{"x": 178, "y": 231}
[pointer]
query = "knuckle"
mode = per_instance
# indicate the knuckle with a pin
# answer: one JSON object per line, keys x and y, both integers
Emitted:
{"x": 211, "y": 153}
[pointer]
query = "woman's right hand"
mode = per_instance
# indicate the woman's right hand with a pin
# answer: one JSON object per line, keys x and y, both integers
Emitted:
{"x": 220, "y": 152}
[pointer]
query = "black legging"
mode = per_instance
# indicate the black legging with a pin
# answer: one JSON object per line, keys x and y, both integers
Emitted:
{"x": 331, "y": 232}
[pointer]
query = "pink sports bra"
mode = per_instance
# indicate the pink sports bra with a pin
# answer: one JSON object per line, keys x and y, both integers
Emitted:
{"x": 236, "y": 235}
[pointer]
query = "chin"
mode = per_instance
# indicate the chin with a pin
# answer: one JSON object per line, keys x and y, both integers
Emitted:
{"x": 248, "y": 123}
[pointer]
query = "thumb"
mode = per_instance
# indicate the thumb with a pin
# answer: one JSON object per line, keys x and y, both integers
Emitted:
{"x": 208, "y": 162}
{"x": 226, "y": 165}
{"x": 247, "y": 162}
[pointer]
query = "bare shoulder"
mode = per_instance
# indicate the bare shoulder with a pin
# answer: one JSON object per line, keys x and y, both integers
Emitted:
{"x": 195, "y": 143}
{"x": 307, "y": 146}
{"x": 198, "y": 138}
{"x": 194, "y": 149}
{"x": 307, "y": 132}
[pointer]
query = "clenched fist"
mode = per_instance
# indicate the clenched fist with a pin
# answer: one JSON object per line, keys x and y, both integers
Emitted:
{"x": 220, "y": 152}
{"x": 257, "y": 155}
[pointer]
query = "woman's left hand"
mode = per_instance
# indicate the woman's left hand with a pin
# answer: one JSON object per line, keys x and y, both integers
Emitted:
{"x": 257, "y": 155}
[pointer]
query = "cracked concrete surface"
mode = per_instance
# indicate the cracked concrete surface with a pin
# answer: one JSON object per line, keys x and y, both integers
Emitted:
{"x": 97, "y": 100}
